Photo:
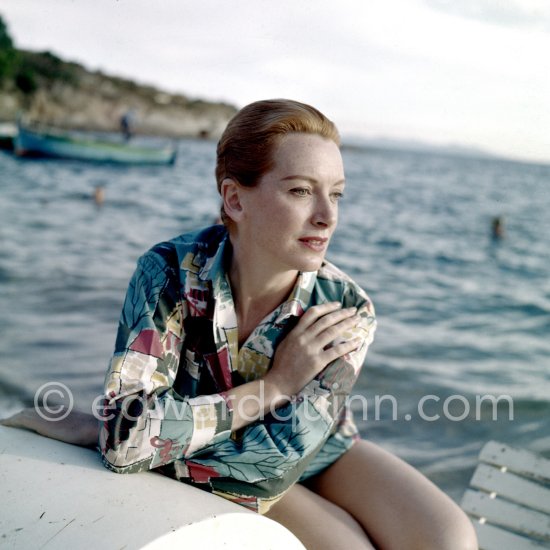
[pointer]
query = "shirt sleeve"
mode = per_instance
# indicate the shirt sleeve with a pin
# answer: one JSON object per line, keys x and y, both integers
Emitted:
{"x": 146, "y": 423}
{"x": 274, "y": 452}
{"x": 338, "y": 377}
{"x": 345, "y": 431}
{"x": 336, "y": 445}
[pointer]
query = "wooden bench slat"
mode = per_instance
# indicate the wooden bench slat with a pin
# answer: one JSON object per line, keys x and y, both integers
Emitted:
{"x": 494, "y": 538}
{"x": 518, "y": 460}
{"x": 507, "y": 514}
{"x": 512, "y": 487}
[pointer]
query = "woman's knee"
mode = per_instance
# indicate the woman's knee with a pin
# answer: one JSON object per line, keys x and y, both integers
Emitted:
{"x": 444, "y": 528}
{"x": 457, "y": 534}
{"x": 394, "y": 503}
{"x": 318, "y": 523}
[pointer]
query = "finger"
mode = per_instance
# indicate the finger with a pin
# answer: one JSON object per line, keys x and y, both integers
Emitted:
{"x": 340, "y": 331}
{"x": 316, "y": 312}
{"x": 6, "y": 421}
{"x": 331, "y": 320}
{"x": 14, "y": 421}
{"x": 343, "y": 331}
{"x": 340, "y": 350}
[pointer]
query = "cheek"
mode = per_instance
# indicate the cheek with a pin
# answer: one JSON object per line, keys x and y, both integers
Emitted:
{"x": 280, "y": 213}
{"x": 279, "y": 209}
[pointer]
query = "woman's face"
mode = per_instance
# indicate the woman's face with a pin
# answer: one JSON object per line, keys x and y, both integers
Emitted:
{"x": 288, "y": 218}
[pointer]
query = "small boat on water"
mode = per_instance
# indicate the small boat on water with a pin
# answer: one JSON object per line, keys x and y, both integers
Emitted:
{"x": 38, "y": 142}
{"x": 8, "y": 131}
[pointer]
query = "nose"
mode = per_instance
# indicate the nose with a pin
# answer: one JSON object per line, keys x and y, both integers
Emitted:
{"x": 325, "y": 213}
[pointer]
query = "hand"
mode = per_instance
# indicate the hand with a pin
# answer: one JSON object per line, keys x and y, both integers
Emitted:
{"x": 305, "y": 351}
{"x": 78, "y": 428}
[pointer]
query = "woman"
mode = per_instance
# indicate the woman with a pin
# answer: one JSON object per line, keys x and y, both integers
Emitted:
{"x": 238, "y": 345}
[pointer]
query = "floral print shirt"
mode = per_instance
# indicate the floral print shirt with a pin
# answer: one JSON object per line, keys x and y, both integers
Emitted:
{"x": 168, "y": 387}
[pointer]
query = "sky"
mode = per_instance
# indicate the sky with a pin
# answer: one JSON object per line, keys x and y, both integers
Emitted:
{"x": 474, "y": 73}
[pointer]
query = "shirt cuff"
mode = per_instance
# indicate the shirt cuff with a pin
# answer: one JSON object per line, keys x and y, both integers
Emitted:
{"x": 212, "y": 419}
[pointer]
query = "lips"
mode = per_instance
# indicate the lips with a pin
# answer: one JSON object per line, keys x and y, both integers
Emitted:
{"x": 315, "y": 243}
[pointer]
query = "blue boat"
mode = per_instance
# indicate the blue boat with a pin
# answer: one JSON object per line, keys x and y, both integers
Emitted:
{"x": 8, "y": 131}
{"x": 34, "y": 142}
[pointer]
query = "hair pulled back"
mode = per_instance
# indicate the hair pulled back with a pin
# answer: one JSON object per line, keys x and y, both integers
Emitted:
{"x": 245, "y": 149}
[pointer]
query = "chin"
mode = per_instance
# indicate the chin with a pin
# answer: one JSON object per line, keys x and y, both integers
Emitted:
{"x": 312, "y": 264}
{"x": 300, "y": 260}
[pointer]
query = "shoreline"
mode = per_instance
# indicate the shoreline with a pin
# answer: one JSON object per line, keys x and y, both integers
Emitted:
{"x": 68, "y": 96}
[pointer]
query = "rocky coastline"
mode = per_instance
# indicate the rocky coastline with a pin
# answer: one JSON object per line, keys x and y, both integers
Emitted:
{"x": 66, "y": 95}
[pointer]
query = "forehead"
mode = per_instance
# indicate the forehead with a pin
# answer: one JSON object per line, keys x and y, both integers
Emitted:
{"x": 308, "y": 155}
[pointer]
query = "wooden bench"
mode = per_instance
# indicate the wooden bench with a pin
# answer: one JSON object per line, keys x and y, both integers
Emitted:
{"x": 509, "y": 499}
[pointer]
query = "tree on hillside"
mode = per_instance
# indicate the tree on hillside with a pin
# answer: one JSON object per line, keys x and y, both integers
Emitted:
{"x": 6, "y": 42}
{"x": 8, "y": 53}
{"x": 27, "y": 69}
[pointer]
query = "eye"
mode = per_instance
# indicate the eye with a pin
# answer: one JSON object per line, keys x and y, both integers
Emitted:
{"x": 300, "y": 191}
{"x": 337, "y": 195}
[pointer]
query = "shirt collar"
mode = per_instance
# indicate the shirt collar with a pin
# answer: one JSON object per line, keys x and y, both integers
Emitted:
{"x": 215, "y": 270}
{"x": 299, "y": 298}
{"x": 215, "y": 267}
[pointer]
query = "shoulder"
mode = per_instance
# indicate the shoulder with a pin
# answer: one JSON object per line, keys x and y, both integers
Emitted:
{"x": 189, "y": 248}
{"x": 333, "y": 284}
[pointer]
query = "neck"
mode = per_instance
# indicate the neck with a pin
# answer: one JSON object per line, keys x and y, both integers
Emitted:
{"x": 257, "y": 288}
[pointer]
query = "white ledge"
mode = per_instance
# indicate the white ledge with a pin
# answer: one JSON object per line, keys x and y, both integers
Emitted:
{"x": 56, "y": 495}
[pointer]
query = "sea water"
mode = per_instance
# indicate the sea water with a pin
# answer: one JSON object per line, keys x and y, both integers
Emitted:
{"x": 462, "y": 350}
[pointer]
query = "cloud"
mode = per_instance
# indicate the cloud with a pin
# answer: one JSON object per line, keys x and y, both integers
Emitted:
{"x": 532, "y": 14}
{"x": 471, "y": 71}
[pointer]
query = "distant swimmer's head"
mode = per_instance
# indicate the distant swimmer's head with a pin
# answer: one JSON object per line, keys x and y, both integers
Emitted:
{"x": 99, "y": 195}
{"x": 497, "y": 228}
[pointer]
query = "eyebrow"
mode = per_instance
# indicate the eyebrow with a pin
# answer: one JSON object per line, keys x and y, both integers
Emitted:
{"x": 309, "y": 179}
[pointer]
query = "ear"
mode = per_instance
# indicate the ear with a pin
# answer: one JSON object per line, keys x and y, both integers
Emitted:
{"x": 231, "y": 197}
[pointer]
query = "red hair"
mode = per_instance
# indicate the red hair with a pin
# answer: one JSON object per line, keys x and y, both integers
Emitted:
{"x": 245, "y": 149}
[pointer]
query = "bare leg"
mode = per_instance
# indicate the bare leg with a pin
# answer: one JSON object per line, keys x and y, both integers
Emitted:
{"x": 78, "y": 428}
{"x": 318, "y": 523}
{"x": 396, "y": 505}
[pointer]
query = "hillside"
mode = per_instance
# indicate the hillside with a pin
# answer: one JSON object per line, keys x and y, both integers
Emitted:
{"x": 67, "y": 95}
